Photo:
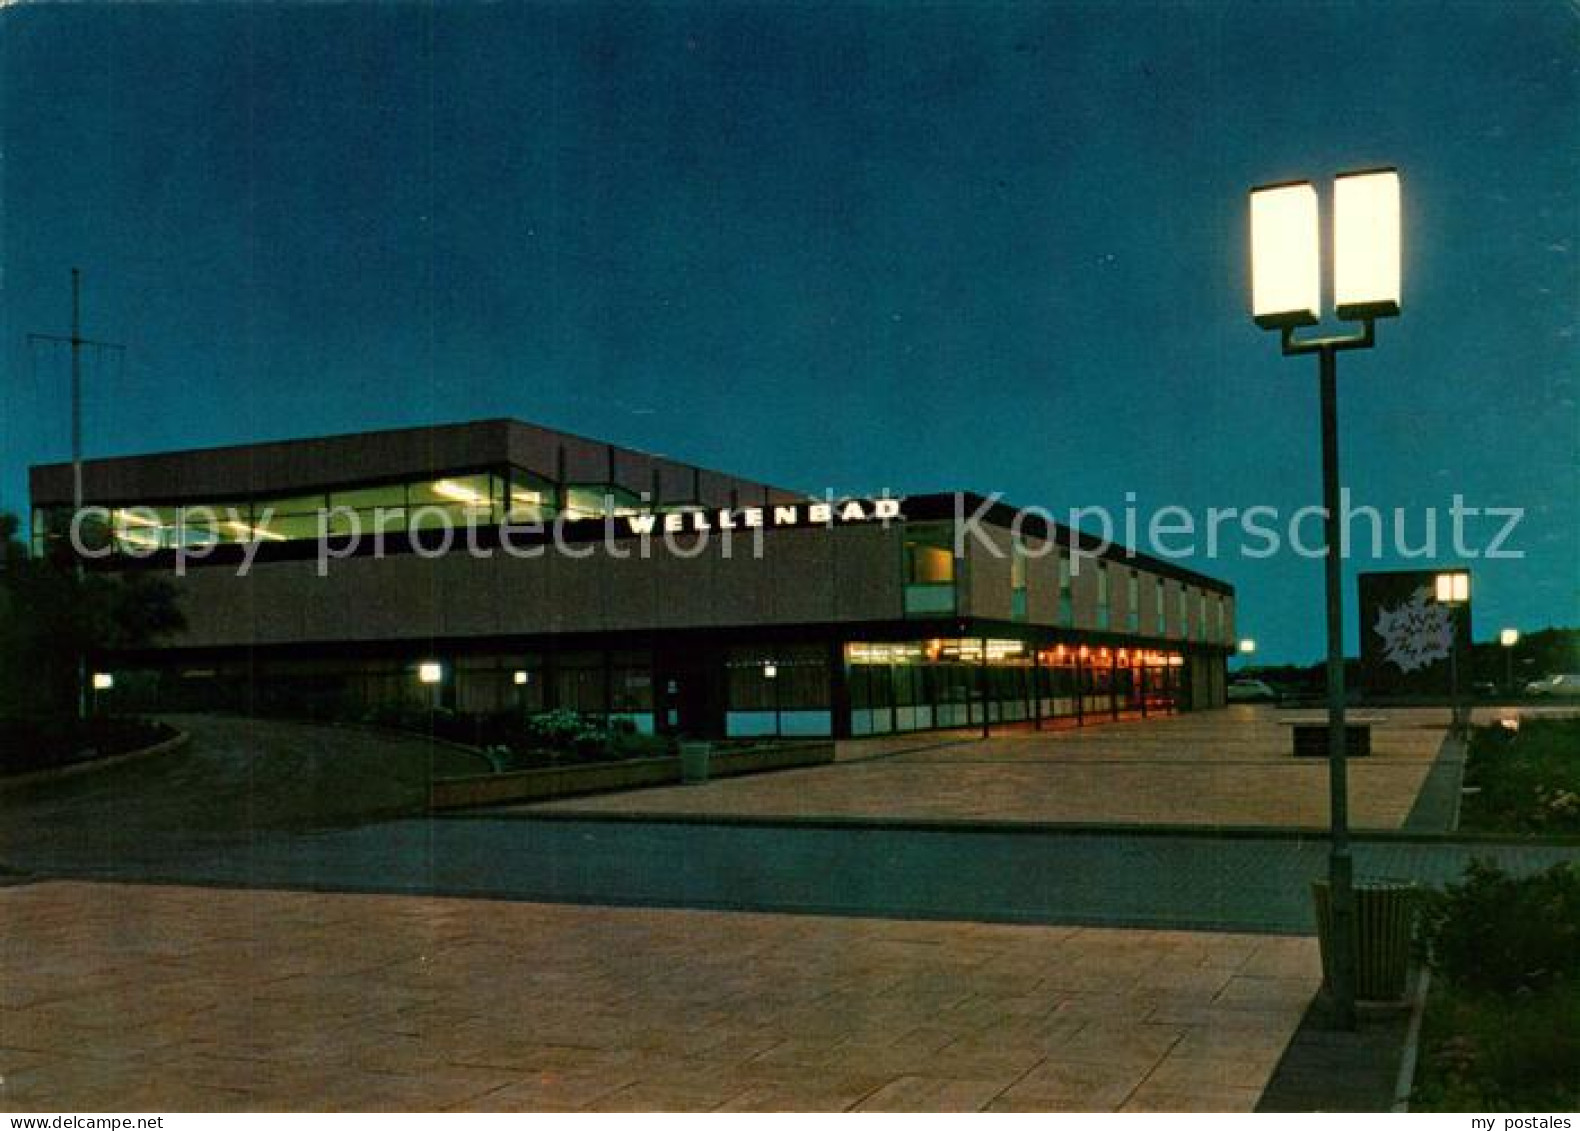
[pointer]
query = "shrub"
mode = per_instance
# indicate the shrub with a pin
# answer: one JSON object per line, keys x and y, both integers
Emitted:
{"x": 1498, "y": 933}
{"x": 1526, "y": 780}
{"x": 1486, "y": 1052}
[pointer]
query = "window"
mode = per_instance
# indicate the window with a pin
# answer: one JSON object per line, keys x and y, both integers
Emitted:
{"x": 371, "y": 509}
{"x": 456, "y": 501}
{"x": 1066, "y": 600}
{"x": 599, "y": 500}
{"x": 1162, "y": 607}
{"x": 1103, "y": 599}
{"x": 1133, "y": 602}
{"x": 1017, "y": 580}
{"x": 1201, "y": 616}
{"x": 290, "y": 517}
{"x": 929, "y": 569}
{"x": 1184, "y": 612}
{"x": 1223, "y": 621}
{"x": 533, "y": 498}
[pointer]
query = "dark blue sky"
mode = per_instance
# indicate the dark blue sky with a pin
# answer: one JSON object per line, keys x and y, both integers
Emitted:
{"x": 998, "y": 247}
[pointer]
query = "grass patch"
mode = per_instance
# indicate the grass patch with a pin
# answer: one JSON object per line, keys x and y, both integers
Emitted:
{"x": 1502, "y": 1024}
{"x": 1525, "y": 781}
{"x": 1484, "y": 1051}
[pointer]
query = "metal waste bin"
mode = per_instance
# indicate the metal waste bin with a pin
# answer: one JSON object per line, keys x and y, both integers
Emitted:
{"x": 694, "y": 762}
{"x": 1384, "y": 922}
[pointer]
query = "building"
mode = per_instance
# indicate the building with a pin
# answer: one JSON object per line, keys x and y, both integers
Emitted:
{"x": 520, "y": 568}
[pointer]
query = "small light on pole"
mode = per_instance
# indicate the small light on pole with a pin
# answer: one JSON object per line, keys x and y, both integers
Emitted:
{"x": 103, "y": 681}
{"x": 1247, "y": 647}
{"x": 1452, "y": 591}
{"x": 1452, "y": 588}
{"x": 519, "y": 678}
{"x": 430, "y": 672}
{"x": 770, "y": 671}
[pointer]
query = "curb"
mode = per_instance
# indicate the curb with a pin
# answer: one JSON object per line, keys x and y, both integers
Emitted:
{"x": 168, "y": 746}
{"x": 1405, "y": 1084}
{"x": 533, "y": 812}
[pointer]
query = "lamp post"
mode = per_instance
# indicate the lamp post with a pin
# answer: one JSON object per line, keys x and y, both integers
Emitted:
{"x": 1509, "y": 637}
{"x": 1286, "y": 293}
{"x": 1452, "y": 591}
{"x": 1247, "y": 650}
{"x": 430, "y": 673}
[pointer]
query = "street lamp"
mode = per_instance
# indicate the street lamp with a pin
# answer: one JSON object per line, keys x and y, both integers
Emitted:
{"x": 101, "y": 682}
{"x": 1247, "y": 649}
{"x": 1509, "y": 637}
{"x": 1452, "y": 591}
{"x": 1286, "y": 293}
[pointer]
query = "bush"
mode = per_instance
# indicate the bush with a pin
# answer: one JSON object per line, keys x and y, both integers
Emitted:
{"x": 1485, "y": 1052}
{"x": 1526, "y": 780}
{"x": 544, "y": 739}
{"x": 1493, "y": 932}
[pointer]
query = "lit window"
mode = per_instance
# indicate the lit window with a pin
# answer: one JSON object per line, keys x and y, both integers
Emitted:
{"x": 929, "y": 570}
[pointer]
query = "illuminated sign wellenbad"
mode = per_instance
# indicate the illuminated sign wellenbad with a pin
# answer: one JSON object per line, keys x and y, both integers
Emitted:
{"x": 843, "y": 513}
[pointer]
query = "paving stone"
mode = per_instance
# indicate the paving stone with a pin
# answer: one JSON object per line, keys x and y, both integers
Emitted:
{"x": 611, "y": 1009}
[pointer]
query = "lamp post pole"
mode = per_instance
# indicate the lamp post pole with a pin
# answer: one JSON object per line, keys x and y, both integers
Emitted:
{"x": 1453, "y": 675}
{"x": 1341, "y": 862}
{"x": 1341, "y": 865}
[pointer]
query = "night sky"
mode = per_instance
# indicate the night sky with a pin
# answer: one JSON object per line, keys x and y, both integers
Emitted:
{"x": 849, "y": 247}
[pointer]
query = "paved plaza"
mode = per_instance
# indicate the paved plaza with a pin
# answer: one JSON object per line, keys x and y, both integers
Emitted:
{"x": 537, "y": 958}
{"x": 1230, "y": 767}
{"x": 137, "y": 997}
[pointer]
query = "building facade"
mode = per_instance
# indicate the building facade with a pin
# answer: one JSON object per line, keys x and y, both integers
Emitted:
{"x": 500, "y": 566}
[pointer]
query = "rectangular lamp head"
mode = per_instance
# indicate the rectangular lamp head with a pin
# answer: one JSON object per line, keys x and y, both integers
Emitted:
{"x": 430, "y": 671}
{"x": 1366, "y": 244}
{"x": 1509, "y": 637}
{"x": 1286, "y": 278}
{"x": 1452, "y": 588}
{"x": 103, "y": 681}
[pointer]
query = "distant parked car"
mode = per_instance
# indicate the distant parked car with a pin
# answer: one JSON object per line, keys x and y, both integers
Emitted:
{"x": 1250, "y": 691}
{"x": 1564, "y": 685}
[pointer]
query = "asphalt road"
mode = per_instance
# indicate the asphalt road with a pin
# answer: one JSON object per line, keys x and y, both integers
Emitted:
{"x": 238, "y": 781}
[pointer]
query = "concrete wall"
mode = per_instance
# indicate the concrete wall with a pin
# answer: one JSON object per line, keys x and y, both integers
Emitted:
{"x": 812, "y": 575}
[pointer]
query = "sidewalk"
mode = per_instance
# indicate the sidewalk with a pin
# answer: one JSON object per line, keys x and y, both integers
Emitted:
{"x": 1230, "y": 767}
{"x": 133, "y": 997}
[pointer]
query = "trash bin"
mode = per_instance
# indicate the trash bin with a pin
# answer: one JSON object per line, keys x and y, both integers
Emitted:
{"x": 694, "y": 762}
{"x": 1384, "y": 921}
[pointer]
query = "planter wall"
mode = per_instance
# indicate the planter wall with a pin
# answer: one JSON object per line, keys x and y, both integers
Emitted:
{"x": 573, "y": 781}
